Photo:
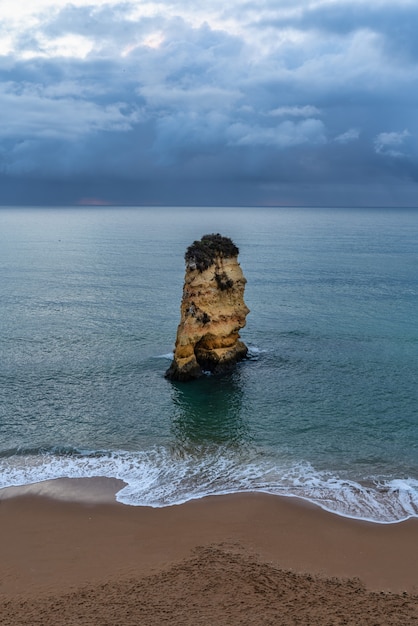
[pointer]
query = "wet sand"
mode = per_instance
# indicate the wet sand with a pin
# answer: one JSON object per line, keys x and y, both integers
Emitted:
{"x": 68, "y": 557}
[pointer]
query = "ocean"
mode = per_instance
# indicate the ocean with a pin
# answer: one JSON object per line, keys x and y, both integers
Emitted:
{"x": 325, "y": 408}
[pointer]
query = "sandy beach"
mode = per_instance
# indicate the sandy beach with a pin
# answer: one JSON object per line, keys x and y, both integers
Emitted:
{"x": 71, "y": 555}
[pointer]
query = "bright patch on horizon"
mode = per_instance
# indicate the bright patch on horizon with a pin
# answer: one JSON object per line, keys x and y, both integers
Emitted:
{"x": 93, "y": 202}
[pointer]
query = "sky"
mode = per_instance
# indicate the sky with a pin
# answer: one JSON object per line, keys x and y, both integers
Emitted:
{"x": 181, "y": 102}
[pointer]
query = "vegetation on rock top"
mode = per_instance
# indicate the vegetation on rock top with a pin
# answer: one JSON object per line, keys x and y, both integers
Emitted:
{"x": 204, "y": 252}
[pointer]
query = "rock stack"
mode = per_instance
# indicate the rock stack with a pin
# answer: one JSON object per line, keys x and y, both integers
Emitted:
{"x": 212, "y": 310}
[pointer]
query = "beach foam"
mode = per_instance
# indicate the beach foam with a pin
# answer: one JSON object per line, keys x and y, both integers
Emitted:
{"x": 166, "y": 476}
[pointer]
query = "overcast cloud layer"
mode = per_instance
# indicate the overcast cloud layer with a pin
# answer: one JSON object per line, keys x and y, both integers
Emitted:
{"x": 262, "y": 102}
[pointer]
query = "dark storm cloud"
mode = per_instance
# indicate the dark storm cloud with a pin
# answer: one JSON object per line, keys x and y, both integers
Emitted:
{"x": 395, "y": 23}
{"x": 271, "y": 102}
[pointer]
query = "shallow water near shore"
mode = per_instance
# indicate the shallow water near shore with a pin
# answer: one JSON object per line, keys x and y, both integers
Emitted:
{"x": 325, "y": 408}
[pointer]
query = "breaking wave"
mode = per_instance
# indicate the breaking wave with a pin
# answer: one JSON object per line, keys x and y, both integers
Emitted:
{"x": 164, "y": 476}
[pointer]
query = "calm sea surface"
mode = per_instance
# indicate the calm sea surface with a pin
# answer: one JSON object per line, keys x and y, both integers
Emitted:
{"x": 325, "y": 408}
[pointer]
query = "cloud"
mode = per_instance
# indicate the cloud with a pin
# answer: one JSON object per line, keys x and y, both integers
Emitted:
{"x": 389, "y": 143}
{"x": 295, "y": 111}
{"x": 233, "y": 100}
{"x": 28, "y": 113}
{"x": 283, "y": 135}
{"x": 349, "y": 135}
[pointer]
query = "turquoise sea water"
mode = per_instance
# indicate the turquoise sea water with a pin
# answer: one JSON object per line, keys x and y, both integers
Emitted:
{"x": 325, "y": 408}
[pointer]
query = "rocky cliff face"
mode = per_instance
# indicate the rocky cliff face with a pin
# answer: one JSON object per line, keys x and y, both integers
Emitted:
{"x": 212, "y": 310}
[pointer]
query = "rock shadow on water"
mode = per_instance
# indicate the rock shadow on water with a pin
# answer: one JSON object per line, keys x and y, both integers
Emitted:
{"x": 209, "y": 413}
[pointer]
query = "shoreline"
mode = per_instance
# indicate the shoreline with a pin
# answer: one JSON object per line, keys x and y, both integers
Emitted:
{"x": 102, "y": 489}
{"x": 234, "y": 559}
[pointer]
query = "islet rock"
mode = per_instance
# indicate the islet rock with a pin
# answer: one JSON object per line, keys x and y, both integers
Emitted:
{"x": 212, "y": 311}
